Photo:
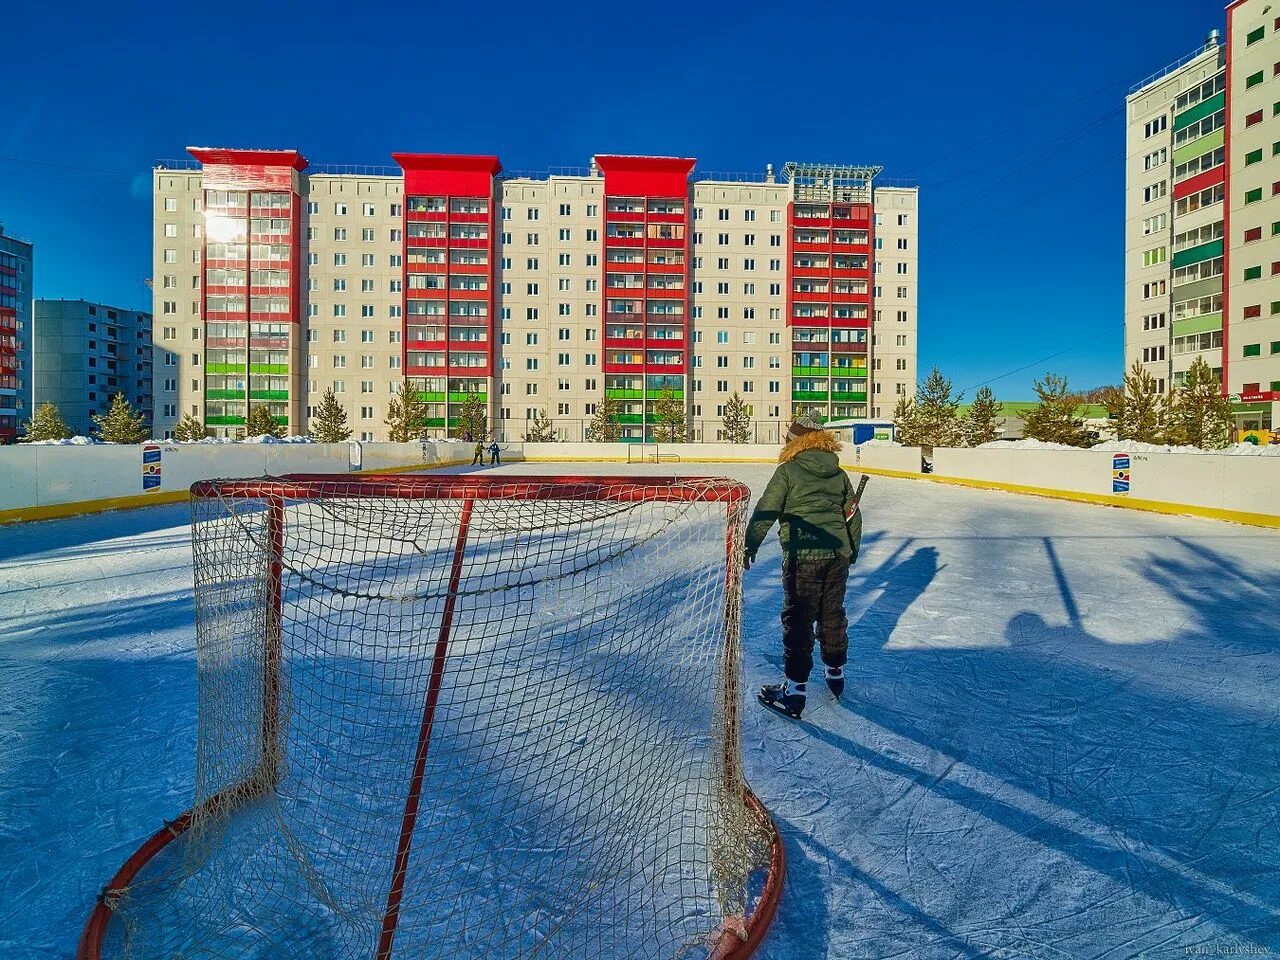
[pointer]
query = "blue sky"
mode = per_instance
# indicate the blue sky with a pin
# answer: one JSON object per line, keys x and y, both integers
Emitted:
{"x": 1008, "y": 115}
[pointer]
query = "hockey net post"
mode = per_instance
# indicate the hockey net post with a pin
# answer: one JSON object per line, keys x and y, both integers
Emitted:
{"x": 386, "y": 576}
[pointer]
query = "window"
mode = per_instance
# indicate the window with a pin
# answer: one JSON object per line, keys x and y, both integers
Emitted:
{"x": 1254, "y": 36}
{"x": 1253, "y": 273}
{"x": 1252, "y": 349}
{"x": 1253, "y": 80}
{"x": 1254, "y": 118}
{"x": 1154, "y": 192}
{"x": 1253, "y": 312}
{"x": 339, "y": 233}
{"x": 1253, "y": 196}
{"x": 1252, "y": 234}
{"x": 1157, "y": 125}
{"x": 1252, "y": 157}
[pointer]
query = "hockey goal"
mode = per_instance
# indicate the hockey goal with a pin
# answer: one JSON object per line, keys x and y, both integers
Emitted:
{"x": 460, "y": 717}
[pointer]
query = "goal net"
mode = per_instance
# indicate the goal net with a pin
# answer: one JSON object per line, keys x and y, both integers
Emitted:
{"x": 460, "y": 717}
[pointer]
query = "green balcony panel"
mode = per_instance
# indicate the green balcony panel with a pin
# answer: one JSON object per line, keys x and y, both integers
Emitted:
{"x": 224, "y": 421}
{"x": 1204, "y": 251}
{"x": 811, "y": 371}
{"x": 224, "y": 394}
{"x": 279, "y": 369}
{"x": 433, "y": 422}
{"x": 268, "y": 394}
{"x": 809, "y": 395}
{"x": 1205, "y": 108}
{"x": 431, "y": 397}
{"x": 1202, "y": 324}
{"x": 462, "y": 397}
{"x": 1200, "y": 146}
{"x": 1197, "y": 289}
{"x": 224, "y": 368}
{"x": 629, "y": 418}
{"x": 615, "y": 393}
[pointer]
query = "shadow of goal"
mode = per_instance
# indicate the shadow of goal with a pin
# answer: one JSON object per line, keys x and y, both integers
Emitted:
{"x": 460, "y": 716}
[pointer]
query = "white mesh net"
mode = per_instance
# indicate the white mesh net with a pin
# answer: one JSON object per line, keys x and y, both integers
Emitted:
{"x": 457, "y": 717}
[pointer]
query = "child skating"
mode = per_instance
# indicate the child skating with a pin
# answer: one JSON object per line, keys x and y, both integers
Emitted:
{"x": 815, "y": 505}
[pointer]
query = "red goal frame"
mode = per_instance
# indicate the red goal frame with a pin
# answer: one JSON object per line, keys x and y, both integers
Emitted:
{"x": 737, "y": 939}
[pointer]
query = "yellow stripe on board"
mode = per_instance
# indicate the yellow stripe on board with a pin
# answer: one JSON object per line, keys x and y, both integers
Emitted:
{"x": 1100, "y": 499}
{"x": 80, "y": 508}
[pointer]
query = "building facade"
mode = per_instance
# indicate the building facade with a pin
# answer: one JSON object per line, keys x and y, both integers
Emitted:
{"x": 1202, "y": 216}
{"x": 16, "y": 262}
{"x": 85, "y": 353}
{"x": 632, "y": 279}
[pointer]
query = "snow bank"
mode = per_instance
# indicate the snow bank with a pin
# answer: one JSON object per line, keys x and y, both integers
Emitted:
{"x": 268, "y": 438}
{"x": 879, "y": 443}
{"x": 1235, "y": 450}
{"x": 70, "y": 442}
{"x": 1026, "y": 445}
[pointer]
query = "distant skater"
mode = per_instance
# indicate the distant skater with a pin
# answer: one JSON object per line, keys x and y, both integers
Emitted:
{"x": 478, "y": 455}
{"x": 495, "y": 455}
{"x": 816, "y": 508}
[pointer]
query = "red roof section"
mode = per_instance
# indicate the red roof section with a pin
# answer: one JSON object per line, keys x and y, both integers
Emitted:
{"x": 626, "y": 176}
{"x": 228, "y": 156}
{"x": 448, "y": 174}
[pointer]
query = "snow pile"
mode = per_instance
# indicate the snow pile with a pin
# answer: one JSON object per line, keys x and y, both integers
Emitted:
{"x": 268, "y": 438}
{"x": 70, "y": 442}
{"x": 879, "y": 443}
{"x": 1235, "y": 450}
{"x": 1025, "y": 445}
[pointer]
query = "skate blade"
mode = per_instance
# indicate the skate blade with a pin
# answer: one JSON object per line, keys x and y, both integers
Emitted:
{"x": 777, "y": 707}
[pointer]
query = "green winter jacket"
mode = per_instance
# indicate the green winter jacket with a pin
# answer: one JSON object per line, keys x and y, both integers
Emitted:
{"x": 811, "y": 499}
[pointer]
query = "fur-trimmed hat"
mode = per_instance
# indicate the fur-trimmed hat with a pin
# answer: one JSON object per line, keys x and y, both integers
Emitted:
{"x": 805, "y": 423}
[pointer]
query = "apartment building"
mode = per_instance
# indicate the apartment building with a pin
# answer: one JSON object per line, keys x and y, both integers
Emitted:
{"x": 83, "y": 354}
{"x": 1202, "y": 216}
{"x": 632, "y": 278}
{"x": 16, "y": 263}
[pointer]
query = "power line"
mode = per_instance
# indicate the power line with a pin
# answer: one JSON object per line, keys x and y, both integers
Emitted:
{"x": 1033, "y": 363}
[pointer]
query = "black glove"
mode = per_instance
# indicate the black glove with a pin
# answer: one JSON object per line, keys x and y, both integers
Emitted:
{"x": 748, "y": 558}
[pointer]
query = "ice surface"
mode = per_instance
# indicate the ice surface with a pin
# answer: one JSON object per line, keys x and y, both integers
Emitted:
{"x": 1060, "y": 736}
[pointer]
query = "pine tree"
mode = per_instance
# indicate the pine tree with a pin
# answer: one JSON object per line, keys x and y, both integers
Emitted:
{"x": 189, "y": 428}
{"x": 935, "y": 412}
{"x": 906, "y": 428}
{"x": 47, "y": 424}
{"x": 1141, "y": 410}
{"x": 260, "y": 423}
{"x": 1055, "y": 419}
{"x": 1199, "y": 414}
{"x": 330, "y": 422}
{"x": 405, "y": 413}
{"x": 668, "y": 411}
{"x": 982, "y": 423}
{"x": 121, "y": 424}
{"x": 604, "y": 423}
{"x": 737, "y": 420}
{"x": 541, "y": 429}
{"x": 473, "y": 417}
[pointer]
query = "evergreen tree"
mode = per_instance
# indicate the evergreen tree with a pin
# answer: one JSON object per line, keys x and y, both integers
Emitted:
{"x": 121, "y": 424}
{"x": 260, "y": 423}
{"x": 905, "y": 425}
{"x": 189, "y": 428}
{"x": 737, "y": 420}
{"x": 473, "y": 417}
{"x": 330, "y": 422}
{"x": 935, "y": 412}
{"x": 47, "y": 424}
{"x": 669, "y": 412}
{"x": 541, "y": 429}
{"x": 604, "y": 423}
{"x": 1139, "y": 412}
{"x": 1198, "y": 412}
{"x": 982, "y": 423}
{"x": 405, "y": 413}
{"x": 1055, "y": 419}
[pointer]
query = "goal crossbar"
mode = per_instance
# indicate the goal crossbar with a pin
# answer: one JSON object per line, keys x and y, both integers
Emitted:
{"x": 739, "y": 935}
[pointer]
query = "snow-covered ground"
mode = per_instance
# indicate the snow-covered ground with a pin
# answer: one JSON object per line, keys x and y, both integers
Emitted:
{"x": 1060, "y": 738}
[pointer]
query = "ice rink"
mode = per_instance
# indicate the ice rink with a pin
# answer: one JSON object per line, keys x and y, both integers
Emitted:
{"x": 1061, "y": 736}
